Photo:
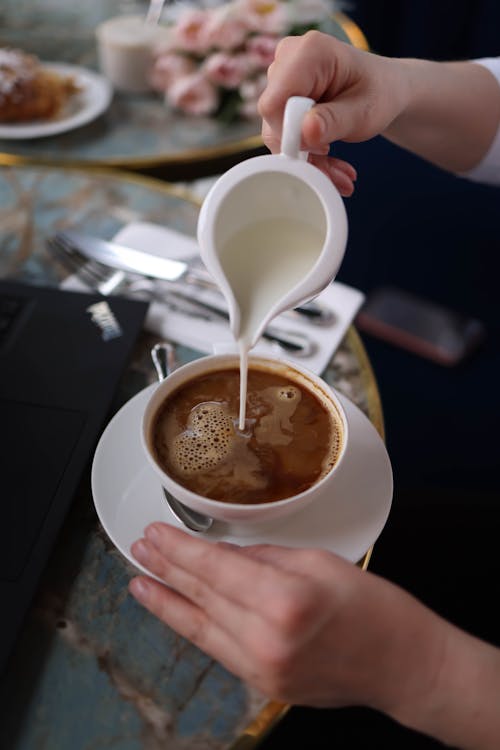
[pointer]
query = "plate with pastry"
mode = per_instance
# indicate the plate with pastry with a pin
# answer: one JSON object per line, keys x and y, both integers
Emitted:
{"x": 45, "y": 98}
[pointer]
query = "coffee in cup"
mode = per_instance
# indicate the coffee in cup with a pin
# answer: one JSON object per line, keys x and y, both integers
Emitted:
{"x": 293, "y": 439}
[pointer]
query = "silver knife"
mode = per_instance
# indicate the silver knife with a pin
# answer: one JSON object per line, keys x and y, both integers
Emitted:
{"x": 125, "y": 258}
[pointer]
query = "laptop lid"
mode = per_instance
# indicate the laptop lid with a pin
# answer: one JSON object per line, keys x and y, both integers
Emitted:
{"x": 62, "y": 355}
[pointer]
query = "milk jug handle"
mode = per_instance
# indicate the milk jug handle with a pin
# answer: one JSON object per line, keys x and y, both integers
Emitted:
{"x": 295, "y": 109}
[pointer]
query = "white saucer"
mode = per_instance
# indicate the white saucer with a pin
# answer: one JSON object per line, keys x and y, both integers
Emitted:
{"x": 84, "y": 106}
{"x": 128, "y": 496}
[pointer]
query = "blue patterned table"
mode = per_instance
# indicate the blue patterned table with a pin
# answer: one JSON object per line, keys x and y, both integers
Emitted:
{"x": 92, "y": 669}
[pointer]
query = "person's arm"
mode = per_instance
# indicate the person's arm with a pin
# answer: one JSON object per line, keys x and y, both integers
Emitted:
{"x": 464, "y": 703}
{"x": 452, "y": 113}
{"x": 487, "y": 170}
{"x": 448, "y": 113}
{"x": 306, "y": 627}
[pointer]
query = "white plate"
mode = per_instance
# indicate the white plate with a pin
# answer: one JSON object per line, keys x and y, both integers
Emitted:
{"x": 84, "y": 106}
{"x": 128, "y": 496}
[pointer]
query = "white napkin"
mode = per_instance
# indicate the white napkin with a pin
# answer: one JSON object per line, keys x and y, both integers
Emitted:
{"x": 203, "y": 335}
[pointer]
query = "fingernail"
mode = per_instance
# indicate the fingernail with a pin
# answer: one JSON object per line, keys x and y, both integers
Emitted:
{"x": 140, "y": 551}
{"x": 139, "y": 588}
{"x": 320, "y": 123}
{"x": 228, "y": 545}
{"x": 152, "y": 533}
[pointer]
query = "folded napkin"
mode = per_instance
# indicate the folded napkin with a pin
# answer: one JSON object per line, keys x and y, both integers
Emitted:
{"x": 203, "y": 335}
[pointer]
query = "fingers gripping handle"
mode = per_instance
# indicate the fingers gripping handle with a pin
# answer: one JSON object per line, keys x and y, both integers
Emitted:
{"x": 295, "y": 110}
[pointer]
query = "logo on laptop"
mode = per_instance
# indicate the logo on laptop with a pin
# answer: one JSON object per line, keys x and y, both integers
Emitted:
{"x": 104, "y": 318}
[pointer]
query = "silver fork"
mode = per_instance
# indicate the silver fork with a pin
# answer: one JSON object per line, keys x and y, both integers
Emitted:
{"x": 107, "y": 281}
{"x": 104, "y": 281}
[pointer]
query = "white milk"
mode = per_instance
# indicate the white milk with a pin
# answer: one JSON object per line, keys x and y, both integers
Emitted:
{"x": 262, "y": 263}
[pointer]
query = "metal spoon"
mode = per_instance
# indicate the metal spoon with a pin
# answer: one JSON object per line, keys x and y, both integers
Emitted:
{"x": 190, "y": 518}
{"x": 163, "y": 356}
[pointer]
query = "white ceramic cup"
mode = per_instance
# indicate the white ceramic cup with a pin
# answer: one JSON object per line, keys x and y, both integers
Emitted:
{"x": 125, "y": 46}
{"x": 244, "y": 514}
{"x": 284, "y": 187}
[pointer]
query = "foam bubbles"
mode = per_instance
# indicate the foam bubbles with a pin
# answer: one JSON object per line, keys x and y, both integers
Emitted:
{"x": 206, "y": 442}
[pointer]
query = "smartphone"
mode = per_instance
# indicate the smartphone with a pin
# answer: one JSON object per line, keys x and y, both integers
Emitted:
{"x": 420, "y": 326}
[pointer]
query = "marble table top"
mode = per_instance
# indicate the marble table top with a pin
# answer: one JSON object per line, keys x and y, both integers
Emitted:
{"x": 91, "y": 668}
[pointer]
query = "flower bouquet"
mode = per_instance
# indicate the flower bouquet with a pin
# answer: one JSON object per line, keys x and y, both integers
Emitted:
{"x": 214, "y": 59}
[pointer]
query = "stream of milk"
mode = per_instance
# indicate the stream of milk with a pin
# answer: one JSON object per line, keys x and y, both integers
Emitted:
{"x": 263, "y": 262}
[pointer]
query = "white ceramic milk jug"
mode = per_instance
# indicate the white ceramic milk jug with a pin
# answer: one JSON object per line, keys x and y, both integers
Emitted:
{"x": 272, "y": 232}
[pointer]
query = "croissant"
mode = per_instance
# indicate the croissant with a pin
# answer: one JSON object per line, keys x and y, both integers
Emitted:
{"x": 28, "y": 91}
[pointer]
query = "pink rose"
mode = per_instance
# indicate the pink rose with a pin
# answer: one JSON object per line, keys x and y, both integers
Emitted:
{"x": 261, "y": 49}
{"x": 264, "y": 16}
{"x": 193, "y": 94}
{"x": 168, "y": 68}
{"x": 190, "y": 31}
{"x": 225, "y": 29}
{"x": 250, "y": 92}
{"x": 248, "y": 109}
{"x": 252, "y": 89}
{"x": 227, "y": 70}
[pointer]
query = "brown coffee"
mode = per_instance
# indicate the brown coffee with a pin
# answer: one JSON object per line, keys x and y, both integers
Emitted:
{"x": 293, "y": 436}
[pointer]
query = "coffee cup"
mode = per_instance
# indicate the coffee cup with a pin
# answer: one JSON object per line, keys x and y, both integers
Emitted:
{"x": 125, "y": 50}
{"x": 272, "y": 231}
{"x": 289, "y": 454}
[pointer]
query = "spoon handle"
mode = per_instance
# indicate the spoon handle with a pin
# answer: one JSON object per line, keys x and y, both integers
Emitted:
{"x": 164, "y": 360}
{"x": 190, "y": 518}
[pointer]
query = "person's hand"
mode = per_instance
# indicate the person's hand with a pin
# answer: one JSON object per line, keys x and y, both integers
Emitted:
{"x": 302, "y": 626}
{"x": 359, "y": 94}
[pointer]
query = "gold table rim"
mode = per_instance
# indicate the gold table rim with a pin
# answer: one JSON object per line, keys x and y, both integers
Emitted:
{"x": 273, "y": 711}
{"x": 186, "y": 157}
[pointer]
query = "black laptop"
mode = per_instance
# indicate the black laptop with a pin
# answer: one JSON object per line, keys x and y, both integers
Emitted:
{"x": 62, "y": 355}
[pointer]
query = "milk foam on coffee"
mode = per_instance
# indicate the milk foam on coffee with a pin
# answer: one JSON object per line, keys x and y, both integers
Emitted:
{"x": 206, "y": 442}
{"x": 209, "y": 441}
{"x": 292, "y": 437}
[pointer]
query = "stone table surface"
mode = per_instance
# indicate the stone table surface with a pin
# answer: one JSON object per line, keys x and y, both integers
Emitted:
{"x": 91, "y": 668}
